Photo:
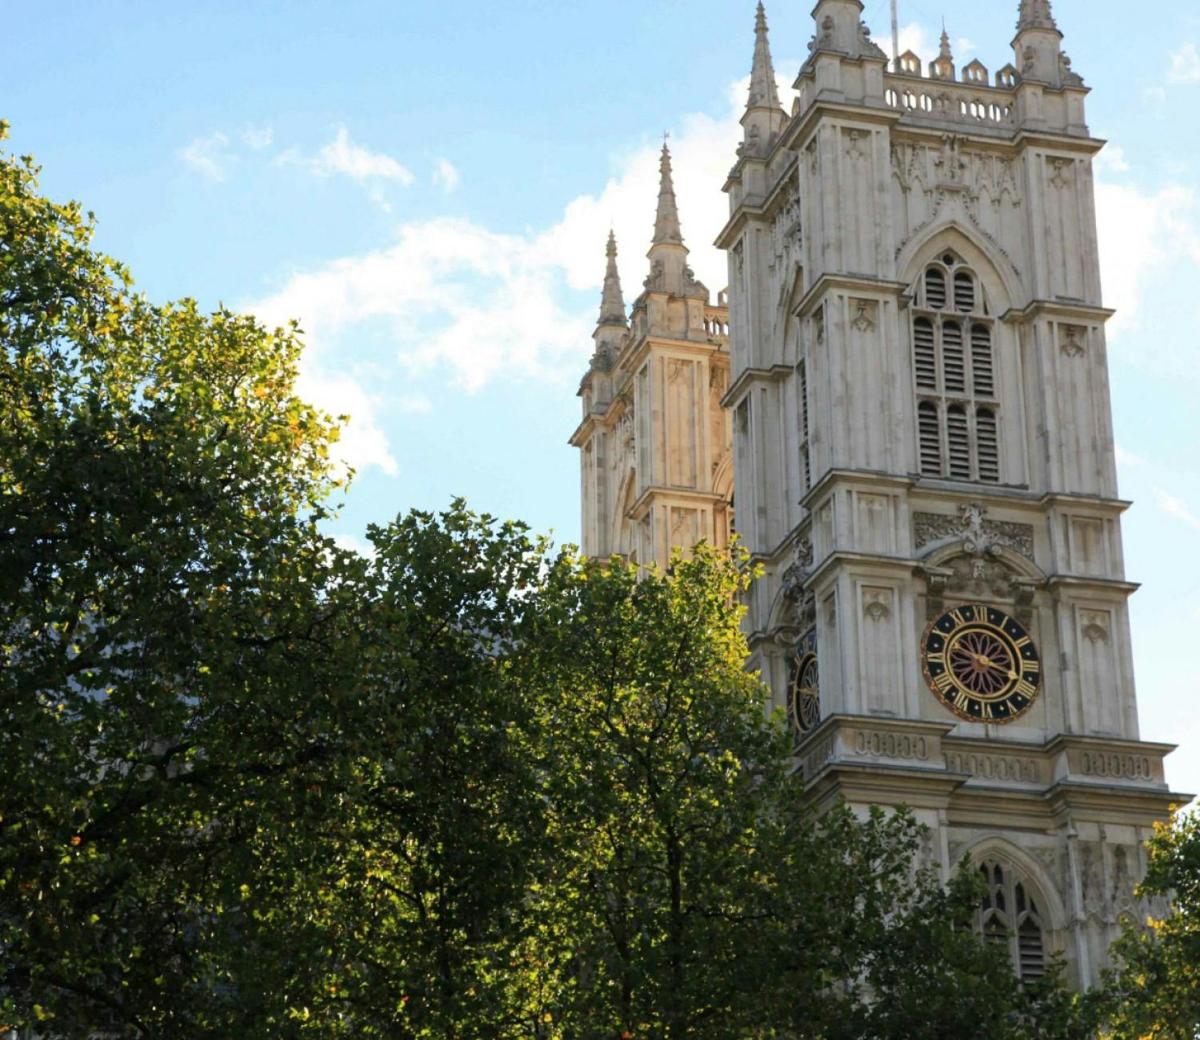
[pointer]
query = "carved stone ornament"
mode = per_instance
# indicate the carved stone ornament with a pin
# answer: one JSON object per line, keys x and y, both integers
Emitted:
{"x": 877, "y": 604}
{"x": 854, "y": 145}
{"x": 982, "y": 536}
{"x": 951, "y": 164}
{"x": 957, "y": 182}
{"x": 797, "y": 570}
{"x": 1094, "y": 624}
{"x": 785, "y": 230}
{"x": 1072, "y": 340}
{"x": 1061, "y": 171}
{"x": 864, "y": 315}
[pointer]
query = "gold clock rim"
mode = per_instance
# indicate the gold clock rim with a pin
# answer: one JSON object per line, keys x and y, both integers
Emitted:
{"x": 929, "y": 683}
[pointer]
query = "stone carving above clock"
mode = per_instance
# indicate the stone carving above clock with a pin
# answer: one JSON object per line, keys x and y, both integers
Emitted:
{"x": 971, "y": 523}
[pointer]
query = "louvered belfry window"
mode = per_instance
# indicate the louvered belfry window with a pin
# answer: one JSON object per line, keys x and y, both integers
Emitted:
{"x": 958, "y": 414}
{"x": 1009, "y": 918}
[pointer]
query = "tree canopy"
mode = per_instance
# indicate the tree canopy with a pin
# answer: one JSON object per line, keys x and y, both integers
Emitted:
{"x": 471, "y": 786}
{"x": 1154, "y": 992}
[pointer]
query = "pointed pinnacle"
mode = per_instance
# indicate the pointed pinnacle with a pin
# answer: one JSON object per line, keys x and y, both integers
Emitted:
{"x": 763, "y": 92}
{"x": 612, "y": 303}
{"x": 1035, "y": 14}
{"x": 666, "y": 221}
{"x": 945, "y": 48}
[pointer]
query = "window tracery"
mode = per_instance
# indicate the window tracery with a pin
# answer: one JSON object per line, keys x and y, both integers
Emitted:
{"x": 958, "y": 413}
{"x": 1009, "y": 917}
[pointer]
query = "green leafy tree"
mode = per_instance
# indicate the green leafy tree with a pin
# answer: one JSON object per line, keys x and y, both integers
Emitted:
{"x": 256, "y": 786}
{"x": 1154, "y": 993}
{"x": 697, "y": 894}
{"x": 162, "y": 592}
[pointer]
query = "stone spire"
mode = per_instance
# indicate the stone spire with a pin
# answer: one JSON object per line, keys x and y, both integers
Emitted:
{"x": 1035, "y": 14}
{"x": 666, "y": 221}
{"x": 942, "y": 67}
{"x": 944, "y": 51}
{"x": 669, "y": 271}
{"x": 764, "y": 118}
{"x": 612, "y": 303}
{"x": 763, "y": 91}
{"x": 1037, "y": 47}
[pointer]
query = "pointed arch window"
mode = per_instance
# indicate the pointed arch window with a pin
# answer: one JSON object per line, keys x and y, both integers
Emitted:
{"x": 1009, "y": 917}
{"x": 958, "y": 413}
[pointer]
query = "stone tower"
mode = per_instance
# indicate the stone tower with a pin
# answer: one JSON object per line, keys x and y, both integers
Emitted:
{"x": 924, "y": 465}
{"x": 654, "y": 441}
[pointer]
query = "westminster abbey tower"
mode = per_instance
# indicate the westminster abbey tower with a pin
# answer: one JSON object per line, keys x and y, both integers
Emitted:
{"x": 904, "y": 414}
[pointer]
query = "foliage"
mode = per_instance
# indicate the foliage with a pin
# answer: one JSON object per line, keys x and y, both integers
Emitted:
{"x": 1155, "y": 991}
{"x": 160, "y": 486}
{"x": 696, "y": 893}
{"x": 257, "y": 786}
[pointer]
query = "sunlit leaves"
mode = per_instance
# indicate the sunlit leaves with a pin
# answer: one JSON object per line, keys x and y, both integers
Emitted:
{"x": 1155, "y": 990}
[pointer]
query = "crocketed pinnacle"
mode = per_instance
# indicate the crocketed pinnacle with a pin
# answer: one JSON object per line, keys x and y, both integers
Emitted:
{"x": 763, "y": 92}
{"x": 1035, "y": 14}
{"x": 944, "y": 53}
{"x": 612, "y": 303}
{"x": 666, "y": 221}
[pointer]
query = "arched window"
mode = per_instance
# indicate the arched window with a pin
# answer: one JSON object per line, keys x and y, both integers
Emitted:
{"x": 958, "y": 414}
{"x": 1009, "y": 917}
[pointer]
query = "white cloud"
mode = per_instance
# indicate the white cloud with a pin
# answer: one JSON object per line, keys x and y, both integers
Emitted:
{"x": 446, "y": 175}
{"x": 914, "y": 37}
{"x": 1141, "y": 232}
{"x": 1185, "y": 65}
{"x": 257, "y": 137}
{"x": 413, "y": 404}
{"x": 1175, "y": 507}
{"x": 209, "y": 156}
{"x": 343, "y": 156}
{"x": 352, "y": 543}
{"x": 1112, "y": 160}
{"x": 1129, "y": 460}
{"x": 363, "y": 442}
{"x": 469, "y": 305}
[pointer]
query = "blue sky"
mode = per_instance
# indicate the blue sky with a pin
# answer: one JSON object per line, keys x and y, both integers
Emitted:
{"x": 428, "y": 188}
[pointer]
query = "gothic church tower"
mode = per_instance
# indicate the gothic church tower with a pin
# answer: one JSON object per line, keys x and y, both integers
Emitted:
{"x": 654, "y": 440}
{"x": 924, "y": 464}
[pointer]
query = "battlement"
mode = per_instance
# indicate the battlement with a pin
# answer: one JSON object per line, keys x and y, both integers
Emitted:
{"x": 972, "y": 101}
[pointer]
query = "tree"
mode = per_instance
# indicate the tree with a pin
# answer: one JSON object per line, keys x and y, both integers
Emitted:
{"x": 468, "y": 787}
{"x": 696, "y": 893}
{"x": 1154, "y": 992}
{"x": 162, "y": 588}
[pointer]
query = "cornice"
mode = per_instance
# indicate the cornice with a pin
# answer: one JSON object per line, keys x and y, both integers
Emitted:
{"x": 756, "y": 207}
{"x": 749, "y": 376}
{"x": 1075, "y": 309}
{"x": 676, "y": 494}
{"x": 1067, "y": 498}
{"x": 1074, "y": 581}
{"x": 639, "y": 349}
{"x": 902, "y": 565}
{"x": 863, "y": 283}
{"x": 824, "y": 106}
{"x": 873, "y": 477}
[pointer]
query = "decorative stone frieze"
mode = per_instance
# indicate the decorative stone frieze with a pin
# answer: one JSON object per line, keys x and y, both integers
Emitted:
{"x": 971, "y": 524}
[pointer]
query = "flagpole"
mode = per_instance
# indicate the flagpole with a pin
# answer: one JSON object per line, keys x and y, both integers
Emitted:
{"x": 896, "y": 35}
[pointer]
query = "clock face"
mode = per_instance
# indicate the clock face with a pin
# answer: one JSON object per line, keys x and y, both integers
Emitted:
{"x": 981, "y": 664}
{"x": 804, "y": 692}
